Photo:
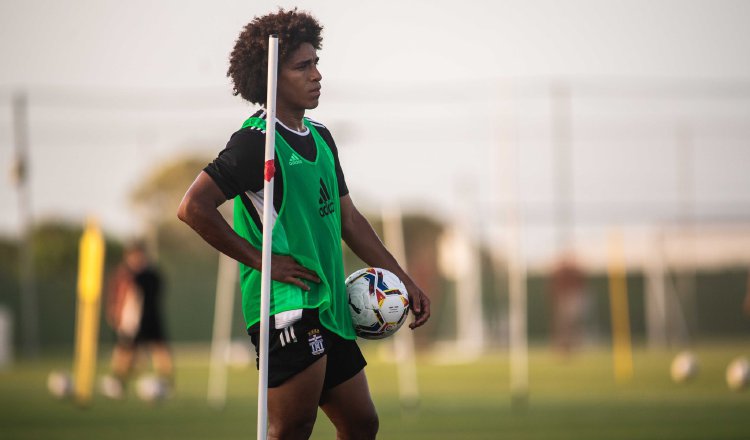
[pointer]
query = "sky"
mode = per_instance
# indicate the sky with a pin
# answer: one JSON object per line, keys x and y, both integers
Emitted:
{"x": 443, "y": 107}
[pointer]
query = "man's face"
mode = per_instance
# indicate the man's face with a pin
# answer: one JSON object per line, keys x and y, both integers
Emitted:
{"x": 135, "y": 259}
{"x": 299, "y": 80}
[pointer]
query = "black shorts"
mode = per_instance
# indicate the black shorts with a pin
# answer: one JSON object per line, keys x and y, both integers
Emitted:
{"x": 294, "y": 348}
{"x": 150, "y": 331}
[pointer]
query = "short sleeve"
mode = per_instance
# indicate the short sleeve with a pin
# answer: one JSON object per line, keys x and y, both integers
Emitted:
{"x": 326, "y": 135}
{"x": 239, "y": 167}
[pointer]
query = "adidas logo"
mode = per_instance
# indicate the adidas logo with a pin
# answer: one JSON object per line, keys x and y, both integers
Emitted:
{"x": 325, "y": 202}
{"x": 287, "y": 336}
{"x": 295, "y": 160}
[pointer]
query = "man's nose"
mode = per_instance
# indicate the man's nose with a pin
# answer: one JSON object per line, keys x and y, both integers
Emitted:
{"x": 316, "y": 76}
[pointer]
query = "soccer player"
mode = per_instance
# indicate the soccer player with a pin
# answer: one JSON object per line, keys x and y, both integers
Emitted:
{"x": 134, "y": 310}
{"x": 314, "y": 360}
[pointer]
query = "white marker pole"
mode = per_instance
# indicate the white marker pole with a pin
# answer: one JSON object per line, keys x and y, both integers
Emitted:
{"x": 226, "y": 283}
{"x": 268, "y": 222}
{"x": 403, "y": 341}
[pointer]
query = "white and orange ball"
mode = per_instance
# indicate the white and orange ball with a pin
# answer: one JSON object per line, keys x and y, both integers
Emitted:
{"x": 151, "y": 388}
{"x": 684, "y": 367}
{"x": 378, "y": 302}
{"x": 738, "y": 374}
{"x": 60, "y": 384}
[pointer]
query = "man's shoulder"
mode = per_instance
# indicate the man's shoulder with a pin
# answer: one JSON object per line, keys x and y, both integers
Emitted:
{"x": 324, "y": 132}
{"x": 318, "y": 125}
{"x": 250, "y": 135}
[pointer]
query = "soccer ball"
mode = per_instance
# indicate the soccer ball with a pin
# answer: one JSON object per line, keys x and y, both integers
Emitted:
{"x": 60, "y": 384}
{"x": 738, "y": 374}
{"x": 111, "y": 387}
{"x": 378, "y": 302}
{"x": 151, "y": 388}
{"x": 684, "y": 367}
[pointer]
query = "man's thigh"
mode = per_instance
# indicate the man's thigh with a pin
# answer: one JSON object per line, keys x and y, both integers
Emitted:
{"x": 295, "y": 402}
{"x": 350, "y": 408}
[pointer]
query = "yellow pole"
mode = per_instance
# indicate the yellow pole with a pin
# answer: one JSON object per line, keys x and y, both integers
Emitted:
{"x": 618, "y": 299}
{"x": 90, "y": 268}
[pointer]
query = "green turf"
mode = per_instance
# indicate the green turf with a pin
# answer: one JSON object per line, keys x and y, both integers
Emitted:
{"x": 573, "y": 399}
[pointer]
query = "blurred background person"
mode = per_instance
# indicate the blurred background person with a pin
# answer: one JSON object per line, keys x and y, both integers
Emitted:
{"x": 134, "y": 311}
{"x": 567, "y": 290}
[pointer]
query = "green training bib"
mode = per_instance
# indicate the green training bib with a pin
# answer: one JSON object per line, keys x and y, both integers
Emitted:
{"x": 308, "y": 227}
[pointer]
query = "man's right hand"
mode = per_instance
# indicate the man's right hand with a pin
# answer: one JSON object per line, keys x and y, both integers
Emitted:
{"x": 287, "y": 270}
{"x": 199, "y": 210}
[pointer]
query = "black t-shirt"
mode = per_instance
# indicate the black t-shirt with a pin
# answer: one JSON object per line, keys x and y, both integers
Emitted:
{"x": 239, "y": 167}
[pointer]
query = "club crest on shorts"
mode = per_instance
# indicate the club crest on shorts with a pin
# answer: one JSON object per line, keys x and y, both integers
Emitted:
{"x": 316, "y": 342}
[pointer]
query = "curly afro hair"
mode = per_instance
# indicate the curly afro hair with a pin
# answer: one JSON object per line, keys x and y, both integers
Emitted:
{"x": 248, "y": 62}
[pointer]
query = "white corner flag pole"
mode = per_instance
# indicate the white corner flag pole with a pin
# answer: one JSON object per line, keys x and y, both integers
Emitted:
{"x": 268, "y": 221}
{"x": 403, "y": 342}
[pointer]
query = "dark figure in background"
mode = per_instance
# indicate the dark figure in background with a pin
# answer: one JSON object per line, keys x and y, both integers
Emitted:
{"x": 569, "y": 304}
{"x": 134, "y": 311}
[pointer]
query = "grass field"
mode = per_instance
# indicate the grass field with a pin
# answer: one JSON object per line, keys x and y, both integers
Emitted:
{"x": 573, "y": 399}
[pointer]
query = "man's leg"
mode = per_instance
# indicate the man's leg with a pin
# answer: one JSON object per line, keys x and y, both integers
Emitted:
{"x": 351, "y": 410}
{"x": 162, "y": 359}
{"x": 123, "y": 358}
{"x": 293, "y": 406}
{"x": 113, "y": 385}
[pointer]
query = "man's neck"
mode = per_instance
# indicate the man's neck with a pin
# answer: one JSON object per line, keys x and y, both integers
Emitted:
{"x": 291, "y": 118}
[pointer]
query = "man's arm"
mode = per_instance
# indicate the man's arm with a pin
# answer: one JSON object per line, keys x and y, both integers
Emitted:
{"x": 363, "y": 241}
{"x": 199, "y": 210}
